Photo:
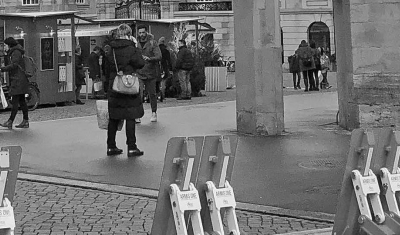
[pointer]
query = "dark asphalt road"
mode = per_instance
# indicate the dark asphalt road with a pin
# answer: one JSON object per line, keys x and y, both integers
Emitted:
{"x": 299, "y": 170}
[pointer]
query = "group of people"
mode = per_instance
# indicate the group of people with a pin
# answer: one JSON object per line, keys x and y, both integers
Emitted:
{"x": 309, "y": 61}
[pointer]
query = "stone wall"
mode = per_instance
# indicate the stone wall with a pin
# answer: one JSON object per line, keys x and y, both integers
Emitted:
{"x": 368, "y": 55}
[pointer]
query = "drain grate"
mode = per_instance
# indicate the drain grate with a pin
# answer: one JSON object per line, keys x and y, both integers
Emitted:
{"x": 322, "y": 164}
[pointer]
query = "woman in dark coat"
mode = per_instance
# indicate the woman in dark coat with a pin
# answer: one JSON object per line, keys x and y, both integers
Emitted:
{"x": 19, "y": 83}
{"x": 305, "y": 52}
{"x": 122, "y": 106}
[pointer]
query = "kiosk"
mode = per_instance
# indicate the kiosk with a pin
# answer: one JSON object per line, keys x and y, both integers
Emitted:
{"x": 53, "y": 55}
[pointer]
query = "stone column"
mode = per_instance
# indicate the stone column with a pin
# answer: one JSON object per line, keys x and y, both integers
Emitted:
{"x": 259, "y": 99}
{"x": 168, "y": 8}
{"x": 368, "y": 56}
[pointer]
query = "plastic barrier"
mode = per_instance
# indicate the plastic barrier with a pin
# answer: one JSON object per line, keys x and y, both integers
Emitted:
{"x": 10, "y": 158}
{"x": 367, "y": 202}
{"x": 195, "y": 188}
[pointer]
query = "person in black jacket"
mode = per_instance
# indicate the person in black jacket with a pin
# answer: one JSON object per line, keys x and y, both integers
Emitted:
{"x": 166, "y": 66}
{"x": 184, "y": 64}
{"x": 121, "y": 106}
{"x": 19, "y": 83}
{"x": 79, "y": 75}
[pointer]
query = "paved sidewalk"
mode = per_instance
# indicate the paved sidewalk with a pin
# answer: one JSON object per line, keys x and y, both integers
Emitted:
{"x": 48, "y": 208}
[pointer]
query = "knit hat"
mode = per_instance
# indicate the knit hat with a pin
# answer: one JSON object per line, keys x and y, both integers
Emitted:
{"x": 161, "y": 40}
{"x": 11, "y": 42}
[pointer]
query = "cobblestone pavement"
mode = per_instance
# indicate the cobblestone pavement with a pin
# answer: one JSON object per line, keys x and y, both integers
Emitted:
{"x": 43, "y": 208}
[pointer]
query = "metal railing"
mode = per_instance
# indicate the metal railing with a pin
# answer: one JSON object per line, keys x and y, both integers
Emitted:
{"x": 209, "y": 6}
{"x": 138, "y": 9}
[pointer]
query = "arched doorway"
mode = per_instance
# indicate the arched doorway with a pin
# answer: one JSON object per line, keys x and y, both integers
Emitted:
{"x": 319, "y": 33}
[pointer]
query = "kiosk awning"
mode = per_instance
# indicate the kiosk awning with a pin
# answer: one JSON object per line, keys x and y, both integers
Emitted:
{"x": 88, "y": 31}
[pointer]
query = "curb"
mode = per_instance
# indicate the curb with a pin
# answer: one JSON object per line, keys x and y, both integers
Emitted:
{"x": 325, "y": 231}
{"x": 149, "y": 193}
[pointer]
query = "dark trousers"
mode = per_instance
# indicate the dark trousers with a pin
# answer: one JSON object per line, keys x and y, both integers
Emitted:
{"x": 15, "y": 100}
{"x": 150, "y": 86}
{"x": 78, "y": 92}
{"x": 130, "y": 133}
{"x": 296, "y": 84}
{"x": 308, "y": 78}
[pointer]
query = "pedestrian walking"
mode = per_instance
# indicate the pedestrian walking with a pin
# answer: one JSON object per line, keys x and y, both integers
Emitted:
{"x": 306, "y": 64}
{"x": 122, "y": 106}
{"x": 166, "y": 67}
{"x": 317, "y": 59}
{"x": 184, "y": 65}
{"x": 19, "y": 83}
{"x": 294, "y": 68}
{"x": 148, "y": 74}
{"x": 325, "y": 65}
{"x": 79, "y": 75}
{"x": 93, "y": 62}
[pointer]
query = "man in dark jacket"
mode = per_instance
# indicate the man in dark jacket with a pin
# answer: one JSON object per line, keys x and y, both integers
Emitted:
{"x": 19, "y": 83}
{"x": 79, "y": 75}
{"x": 184, "y": 64}
{"x": 94, "y": 66}
{"x": 152, "y": 56}
{"x": 307, "y": 64}
{"x": 166, "y": 66}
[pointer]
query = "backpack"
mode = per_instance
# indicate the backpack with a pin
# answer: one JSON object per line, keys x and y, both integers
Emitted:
{"x": 30, "y": 66}
{"x": 307, "y": 62}
{"x": 324, "y": 62}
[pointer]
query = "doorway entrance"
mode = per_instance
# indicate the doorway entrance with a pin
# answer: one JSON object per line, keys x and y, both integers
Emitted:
{"x": 319, "y": 33}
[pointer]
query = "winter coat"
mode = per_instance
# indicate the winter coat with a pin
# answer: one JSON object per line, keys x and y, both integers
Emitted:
{"x": 79, "y": 72}
{"x": 184, "y": 58}
{"x": 317, "y": 58}
{"x": 129, "y": 60}
{"x": 19, "y": 83}
{"x": 166, "y": 59}
{"x": 151, "y": 50}
{"x": 94, "y": 66}
{"x": 294, "y": 66}
{"x": 305, "y": 51}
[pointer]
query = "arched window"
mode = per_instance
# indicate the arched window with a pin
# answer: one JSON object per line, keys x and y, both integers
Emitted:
{"x": 319, "y": 33}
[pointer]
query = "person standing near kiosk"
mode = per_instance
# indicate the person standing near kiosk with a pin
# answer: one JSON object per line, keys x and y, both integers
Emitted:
{"x": 19, "y": 83}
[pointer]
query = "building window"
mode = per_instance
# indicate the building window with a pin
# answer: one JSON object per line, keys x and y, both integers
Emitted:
{"x": 30, "y": 2}
{"x": 80, "y": 1}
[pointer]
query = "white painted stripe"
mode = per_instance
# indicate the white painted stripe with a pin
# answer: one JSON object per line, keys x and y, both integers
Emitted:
{"x": 223, "y": 172}
{"x": 188, "y": 174}
{"x": 368, "y": 163}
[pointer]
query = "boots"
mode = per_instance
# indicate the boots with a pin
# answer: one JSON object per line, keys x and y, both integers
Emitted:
{"x": 23, "y": 124}
{"x": 7, "y": 124}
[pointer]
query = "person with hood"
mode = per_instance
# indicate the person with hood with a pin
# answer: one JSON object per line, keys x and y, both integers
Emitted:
{"x": 184, "y": 64}
{"x": 307, "y": 64}
{"x": 148, "y": 74}
{"x": 19, "y": 83}
{"x": 124, "y": 55}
